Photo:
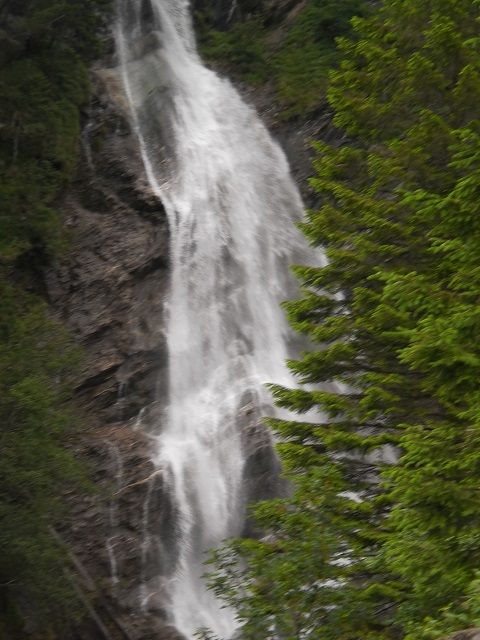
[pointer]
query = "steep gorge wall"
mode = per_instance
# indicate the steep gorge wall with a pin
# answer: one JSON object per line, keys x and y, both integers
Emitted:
{"x": 110, "y": 294}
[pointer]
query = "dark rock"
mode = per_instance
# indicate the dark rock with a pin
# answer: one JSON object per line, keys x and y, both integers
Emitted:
{"x": 262, "y": 469}
{"x": 109, "y": 292}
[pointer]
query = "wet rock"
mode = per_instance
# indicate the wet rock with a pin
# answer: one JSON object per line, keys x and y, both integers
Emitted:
{"x": 110, "y": 292}
{"x": 262, "y": 469}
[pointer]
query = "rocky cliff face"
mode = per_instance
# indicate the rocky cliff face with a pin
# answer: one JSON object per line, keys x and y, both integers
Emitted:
{"x": 110, "y": 294}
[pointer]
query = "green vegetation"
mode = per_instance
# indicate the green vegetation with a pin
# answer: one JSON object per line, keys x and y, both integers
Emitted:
{"x": 309, "y": 51}
{"x": 46, "y": 45}
{"x": 367, "y": 549}
{"x": 299, "y": 63}
{"x": 36, "y": 360}
{"x": 43, "y": 82}
{"x": 243, "y": 46}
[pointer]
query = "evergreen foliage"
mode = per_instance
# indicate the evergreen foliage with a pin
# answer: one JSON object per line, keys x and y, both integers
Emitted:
{"x": 309, "y": 51}
{"x": 43, "y": 83}
{"x": 299, "y": 64}
{"x": 395, "y": 319}
{"x": 36, "y": 360}
{"x": 45, "y": 47}
{"x": 243, "y": 46}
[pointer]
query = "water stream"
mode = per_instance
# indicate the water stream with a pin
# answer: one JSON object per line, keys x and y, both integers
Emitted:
{"x": 231, "y": 205}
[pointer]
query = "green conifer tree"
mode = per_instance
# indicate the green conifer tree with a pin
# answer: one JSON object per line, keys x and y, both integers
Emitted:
{"x": 46, "y": 45}
{"x": 393, "y": 315}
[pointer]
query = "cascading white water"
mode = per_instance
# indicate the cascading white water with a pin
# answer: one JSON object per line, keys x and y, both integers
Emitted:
{"x": 231, "y": 205}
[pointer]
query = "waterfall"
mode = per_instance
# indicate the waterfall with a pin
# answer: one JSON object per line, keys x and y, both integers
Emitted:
{"x": 232, "y": 206}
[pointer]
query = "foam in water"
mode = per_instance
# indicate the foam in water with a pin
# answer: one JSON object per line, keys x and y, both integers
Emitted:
{"x": 231, "y": 205}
